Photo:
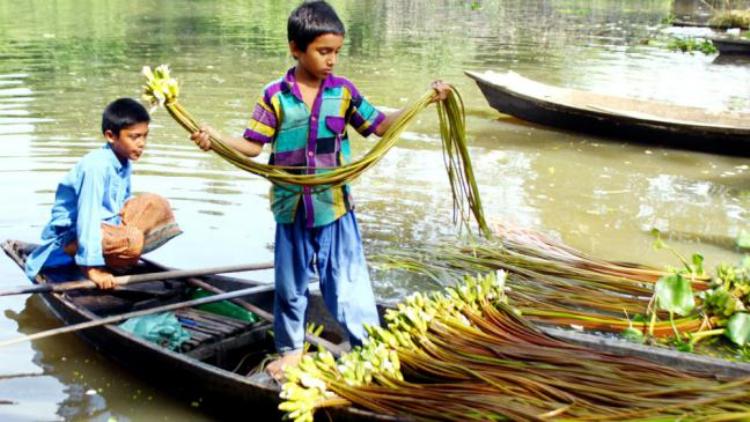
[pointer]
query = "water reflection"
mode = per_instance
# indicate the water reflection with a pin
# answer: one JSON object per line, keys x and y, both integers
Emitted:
{"x": 61, "y": 63}
{"x": 79, "y": 383}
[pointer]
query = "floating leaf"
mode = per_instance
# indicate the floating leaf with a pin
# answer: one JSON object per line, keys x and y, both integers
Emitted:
{"x": 658, "y": 243}
{"x": 698, "y": 263}
{"x": 738, "y": 328}
{"x": 674, "y": 294}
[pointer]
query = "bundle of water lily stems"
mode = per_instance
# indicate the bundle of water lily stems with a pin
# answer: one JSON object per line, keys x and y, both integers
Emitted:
{"x": 465, "y": 354}
{"x": 162, "y": 90}
{"x": 553, "y": 283}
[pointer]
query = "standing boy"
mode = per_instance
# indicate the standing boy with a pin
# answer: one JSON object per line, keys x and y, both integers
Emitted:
{"x": 303, "y": 115}
{"x": 92, "y": 224}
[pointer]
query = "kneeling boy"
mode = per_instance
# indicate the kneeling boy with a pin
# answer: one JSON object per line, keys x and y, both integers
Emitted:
{"x": 95, "y": 222}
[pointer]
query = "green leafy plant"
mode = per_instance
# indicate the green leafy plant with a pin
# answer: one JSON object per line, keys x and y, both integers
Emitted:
{"x": 738, "y": 328}
{"x": 674, "y": 294}
{"x": 691, "y": 45}
{"x": 731, "y": 19}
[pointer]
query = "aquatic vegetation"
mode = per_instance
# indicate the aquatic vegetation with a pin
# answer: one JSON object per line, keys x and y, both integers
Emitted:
{"x": 466, "y": 354}
{"x": 731, "y": 19}
{"x": 551, "y": 283}
{"x": 691, "y": 45}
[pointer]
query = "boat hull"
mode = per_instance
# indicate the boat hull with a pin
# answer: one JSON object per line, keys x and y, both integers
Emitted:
{"x": 683, "y": 135}
{"x": 732, "y": 46}
{"x": 221, "y": 392}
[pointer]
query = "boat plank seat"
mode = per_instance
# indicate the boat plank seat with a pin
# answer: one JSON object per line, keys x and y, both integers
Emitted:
{"x": 210, "y": 333}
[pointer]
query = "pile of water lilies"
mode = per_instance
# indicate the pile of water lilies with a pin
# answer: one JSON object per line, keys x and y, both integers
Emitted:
{"x": 465, "y": 354}
{"x": 552, "y": 283}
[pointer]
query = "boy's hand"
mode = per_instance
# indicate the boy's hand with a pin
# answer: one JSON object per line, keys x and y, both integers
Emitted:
{"x": 102, "y": 278}
{"x": 202, "y": 137}
{"x": 442, "y": 90}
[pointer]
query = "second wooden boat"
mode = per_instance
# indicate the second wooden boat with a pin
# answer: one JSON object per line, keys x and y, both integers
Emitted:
{"x": 732, "y": 45}
{"x": 631, "y": 119}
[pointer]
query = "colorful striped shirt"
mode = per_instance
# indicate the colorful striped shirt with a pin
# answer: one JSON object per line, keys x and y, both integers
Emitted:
{"x": 315, "y": 139}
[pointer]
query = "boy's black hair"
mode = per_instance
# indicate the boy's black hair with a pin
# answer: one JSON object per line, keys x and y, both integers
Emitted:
{"x": 121, "y": 113}
{"x": 310, "y": 20}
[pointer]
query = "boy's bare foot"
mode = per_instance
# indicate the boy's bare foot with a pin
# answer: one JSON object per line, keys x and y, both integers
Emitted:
{"x": 276, "y": 368}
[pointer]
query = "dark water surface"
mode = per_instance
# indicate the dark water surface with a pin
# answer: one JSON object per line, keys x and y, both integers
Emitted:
{"x": 62, "y": 61}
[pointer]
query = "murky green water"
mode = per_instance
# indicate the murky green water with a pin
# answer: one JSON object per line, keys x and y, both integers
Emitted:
{"x": 62, "y": 61}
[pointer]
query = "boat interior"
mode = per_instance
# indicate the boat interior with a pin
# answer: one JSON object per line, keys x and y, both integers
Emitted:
{"x": 233, "y": 344}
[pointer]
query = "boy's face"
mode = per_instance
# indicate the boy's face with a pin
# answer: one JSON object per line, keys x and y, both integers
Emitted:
{"x": 321, "y": 55}
{"x": 131, "y": 141}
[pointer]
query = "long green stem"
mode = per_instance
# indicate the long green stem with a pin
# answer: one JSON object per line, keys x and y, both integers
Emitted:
{"x": 163, "y": 90}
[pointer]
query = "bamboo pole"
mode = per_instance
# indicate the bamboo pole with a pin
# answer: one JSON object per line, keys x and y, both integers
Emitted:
{"x": 136, "y": 278}
{"x": 117, "y": 318}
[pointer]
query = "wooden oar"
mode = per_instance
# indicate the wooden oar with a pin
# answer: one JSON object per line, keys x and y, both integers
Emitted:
{"x": 136, "y": 278}
{"x": 335, "y": 349}
{"x": 127, "y": 315}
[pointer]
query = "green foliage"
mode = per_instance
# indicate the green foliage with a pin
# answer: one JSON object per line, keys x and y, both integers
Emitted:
{"x": 691, "y": 45}
{"x": 698, "y": 264}
{"x": 729, "y": 291}
{"x": 720, "y": 303}
{"x": 674, "y": 293}
{"x": 738, "y": 328}
{"x": 694, "y": 267}
{"x": 731, "y": 19}
{"x": 684, "y": 346}
{"x": 633, "y": 334}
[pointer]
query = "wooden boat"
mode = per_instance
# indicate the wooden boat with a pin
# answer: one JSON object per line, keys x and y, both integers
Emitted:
{"x": 214, "y": 363}
{"x": 637, "y": 120}
{"x": 216, "y": 359}
{"x": 732, "y": 45}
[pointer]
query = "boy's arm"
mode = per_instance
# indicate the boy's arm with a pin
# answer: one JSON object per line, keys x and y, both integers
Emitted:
{"x": 89, "y": 255}
{"x": 244, "y": 146}
{"x": 100, "y": 276}
{"x": 260, "y": 130}
{"x": 441, "y": 93}
{"x": 388, "y": 122}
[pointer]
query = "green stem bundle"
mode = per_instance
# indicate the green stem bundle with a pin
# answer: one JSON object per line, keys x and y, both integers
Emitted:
{"x": 161, "y": 89}
{"x": 550, "y": 282}
{"x": 465, "y": 354}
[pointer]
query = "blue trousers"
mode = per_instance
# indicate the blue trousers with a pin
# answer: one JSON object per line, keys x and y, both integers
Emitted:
{"x": 335, "y": 251}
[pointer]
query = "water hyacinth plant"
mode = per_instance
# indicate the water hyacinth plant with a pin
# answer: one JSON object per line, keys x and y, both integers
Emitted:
{"x": 465, "y": 354}
{"x": 161, "y": 90}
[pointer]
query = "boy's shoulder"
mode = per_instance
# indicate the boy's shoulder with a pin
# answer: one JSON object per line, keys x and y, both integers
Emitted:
{"x": 98, "y": 160}
{"x": 282, "y": 85}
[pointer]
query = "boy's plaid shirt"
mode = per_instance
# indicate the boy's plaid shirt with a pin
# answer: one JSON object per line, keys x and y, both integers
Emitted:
{"x": 315, "y": 138}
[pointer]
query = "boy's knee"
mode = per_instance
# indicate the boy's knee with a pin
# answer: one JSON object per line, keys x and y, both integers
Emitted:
{"x": 147, "y": 211}
{"x": 123, "y": 247}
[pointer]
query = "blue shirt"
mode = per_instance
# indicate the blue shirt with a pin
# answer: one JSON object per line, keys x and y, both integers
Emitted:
{"x": 313, "y": 138}
{"x": 93, "y": 192}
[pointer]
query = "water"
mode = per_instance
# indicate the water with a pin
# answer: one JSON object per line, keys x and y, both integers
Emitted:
{"x": 62, "y": 61}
